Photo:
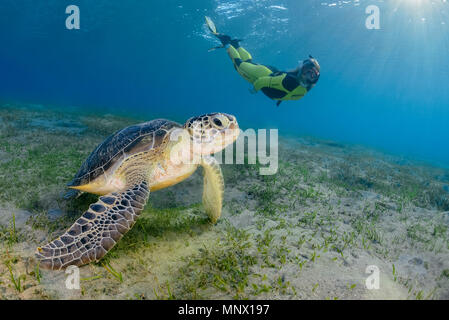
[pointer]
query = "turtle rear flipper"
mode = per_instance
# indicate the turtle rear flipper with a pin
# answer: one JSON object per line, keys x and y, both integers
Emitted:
{"x": 97, "y": 230}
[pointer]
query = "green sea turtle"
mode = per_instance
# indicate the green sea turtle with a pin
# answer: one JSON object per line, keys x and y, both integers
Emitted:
{"x": 123, "y": 170}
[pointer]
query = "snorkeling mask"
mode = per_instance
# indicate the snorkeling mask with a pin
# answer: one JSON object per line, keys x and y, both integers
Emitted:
{"x": 310, "y": 70}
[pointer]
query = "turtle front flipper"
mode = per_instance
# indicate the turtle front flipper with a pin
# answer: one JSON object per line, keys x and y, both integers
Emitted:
{"x": 72, "y": 194}
{"x": 213, "y": 188}
{"x": 97, "y": 230}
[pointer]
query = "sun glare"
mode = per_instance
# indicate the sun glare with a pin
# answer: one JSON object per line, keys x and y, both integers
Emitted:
{"x": 417, "y": 3}
{"x": 432, "y": 8}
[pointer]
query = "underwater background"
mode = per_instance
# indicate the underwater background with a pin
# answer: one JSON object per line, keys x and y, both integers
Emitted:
{"x": 363, "y": 158}
{"x": 382, "y": 88}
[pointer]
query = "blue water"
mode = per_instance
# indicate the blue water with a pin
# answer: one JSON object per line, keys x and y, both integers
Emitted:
{"x": 386, "y": 88}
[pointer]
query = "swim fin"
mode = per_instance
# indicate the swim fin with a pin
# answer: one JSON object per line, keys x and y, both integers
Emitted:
{"x": 225, "y": 39}
{"x": 211, "y": 25}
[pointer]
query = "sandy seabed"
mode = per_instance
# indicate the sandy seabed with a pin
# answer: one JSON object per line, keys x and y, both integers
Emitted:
{"x": 308, "y": 232}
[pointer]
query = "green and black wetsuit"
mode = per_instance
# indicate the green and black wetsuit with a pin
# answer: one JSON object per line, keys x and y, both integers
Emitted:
{"x": 275, "y": 84}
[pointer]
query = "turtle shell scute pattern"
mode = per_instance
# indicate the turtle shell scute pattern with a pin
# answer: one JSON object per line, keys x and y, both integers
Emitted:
{"x": 120, "y": 145}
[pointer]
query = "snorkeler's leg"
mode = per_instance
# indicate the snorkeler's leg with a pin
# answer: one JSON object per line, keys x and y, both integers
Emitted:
{"x": 242, "y": 62}
{"x": 239, "y": 53}
{"x": 234, "y": 55}
{"x": 251, "y": 71}
{"x": 238, "y": 62}
{"x": 244, "y": 55}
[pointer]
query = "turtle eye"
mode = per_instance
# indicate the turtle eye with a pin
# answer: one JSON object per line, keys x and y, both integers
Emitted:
{"x": 217, "y": 122}
{"x": 220, "y": 122}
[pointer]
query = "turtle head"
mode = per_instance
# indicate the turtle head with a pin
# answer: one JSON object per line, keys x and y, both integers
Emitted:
{"x": 212, "y": 132}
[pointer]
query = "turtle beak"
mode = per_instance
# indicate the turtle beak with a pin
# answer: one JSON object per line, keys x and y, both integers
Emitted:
{"x": 234, "y": 129}
{"x": 228, "y": 135}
